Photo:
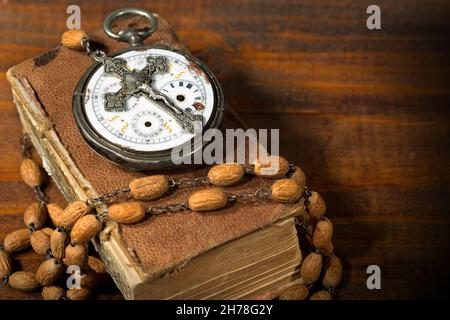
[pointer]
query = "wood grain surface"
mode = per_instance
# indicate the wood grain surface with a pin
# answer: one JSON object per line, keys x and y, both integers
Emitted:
{"x": 365, "y": 113}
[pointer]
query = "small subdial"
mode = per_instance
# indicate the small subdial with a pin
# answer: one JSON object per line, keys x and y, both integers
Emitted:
{"x": 185, "y": 95}
{"x": 148, "y": 124}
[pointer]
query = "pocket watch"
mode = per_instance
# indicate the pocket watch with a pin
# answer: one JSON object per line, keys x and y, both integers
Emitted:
{"x": 136, "y": 105}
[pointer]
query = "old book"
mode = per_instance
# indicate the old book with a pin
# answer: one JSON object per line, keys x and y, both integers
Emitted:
{"x": 243, "y": 251}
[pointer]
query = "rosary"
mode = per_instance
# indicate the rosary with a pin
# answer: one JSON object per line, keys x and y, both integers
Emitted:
{"x": 64, "y": 243}
{"x": 74, "y": 226}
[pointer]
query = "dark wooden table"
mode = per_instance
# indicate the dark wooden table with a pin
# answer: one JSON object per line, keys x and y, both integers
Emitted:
{"x": 365, "y": 113}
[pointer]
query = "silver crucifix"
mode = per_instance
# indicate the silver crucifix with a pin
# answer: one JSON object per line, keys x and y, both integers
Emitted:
{"x": 139, "y": 83}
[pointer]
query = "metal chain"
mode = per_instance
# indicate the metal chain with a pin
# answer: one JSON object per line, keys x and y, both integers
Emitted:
{"x": 97, "y": 55}
{"x": 188, "y": 182}
{"x": 25, "y": 145}
{"x": 170, "y": 208}
{"x": 40, "y": 195}
{"x": 306, "y": 192}
{"x": 102, "y": 216}
{"x": 183, "y": 206}
{"x": 5, "y": 280}
{"x": 249, "y": 169}
{"x": 105, "y": 198}
{"x": 260, "y": 194}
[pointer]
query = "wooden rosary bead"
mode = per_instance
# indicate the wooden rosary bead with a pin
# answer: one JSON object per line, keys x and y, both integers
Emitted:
{"x": 149, "y": 188}
{"x": 89, "y": 280}
{"x": 5, "y": 264}
{"x": 311, "y": 268}
{"x": 23, "y": 281}
{"x": 322, "y": 234}
{"x": 286, "y": 190}
{"x": 73, "y": 212}
{"x": 55, "y": 213}
{"x": 296, "y": 292}
{"x": 49, "y": 272}
{"x": 47, "y": 231}
{"x": 97, "y": 265}
{"x": 53, "y": 293}
{"x": 226, "y": 174}
{"x": 85, "y": 229}
{"x": 17, "y": 241}
{"x": 299, "y": 176}
{"x": 272, "y": 167}
{"x": 208, "y": 199}
{"x": 76, "y": 255}
{"x": 333, "y": 272}
{"x": 321, "y": 295}
{"x": 126, "y": 212}
{"x": 316, "y": 206}
{"x": 58, "y": 241}
{"x": 327, "y": 250}
{"x": 78, "y": 294}
{"x": 31, "y": 173}
{"x": 72, "y": 39}
{"x": 35, "y": 215}
{"x": 40, "y": 242}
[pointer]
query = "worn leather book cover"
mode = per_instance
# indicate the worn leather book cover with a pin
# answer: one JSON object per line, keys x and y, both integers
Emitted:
{"x": 161, "y": 245}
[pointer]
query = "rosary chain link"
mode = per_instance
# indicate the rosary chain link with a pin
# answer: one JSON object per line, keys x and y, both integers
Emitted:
{"x": 40, "y": 195}
{"x": 249, "y": 169}
{"x": 48, "y": 255}
{"x": 104, "y": 198}
{"x": 292, "y": 167}
{"x": 97, "y": 55}
{"x": 306, "y": 192}
{"x": 5, "y": 280}
{"x": 170, "y": 208}
{"x": 102, "y": 216}
{"x": 260, "y": 194}
{"x": 31, "y": 228}
{"x": 189, "y": 182}
{"x": 25, "y": 145}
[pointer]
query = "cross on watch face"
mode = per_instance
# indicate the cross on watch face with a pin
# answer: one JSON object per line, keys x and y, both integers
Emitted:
{"x": 148, "y": 100}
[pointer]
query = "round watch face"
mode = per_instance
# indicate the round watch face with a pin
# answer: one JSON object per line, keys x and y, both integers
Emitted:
{"x": 135, "y": 107}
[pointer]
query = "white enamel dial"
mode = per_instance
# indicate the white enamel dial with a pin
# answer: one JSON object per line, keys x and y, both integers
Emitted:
{"x": 146, "y": 125}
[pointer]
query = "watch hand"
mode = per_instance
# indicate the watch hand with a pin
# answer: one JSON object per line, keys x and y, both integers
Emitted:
{"x": 186, "y": 120}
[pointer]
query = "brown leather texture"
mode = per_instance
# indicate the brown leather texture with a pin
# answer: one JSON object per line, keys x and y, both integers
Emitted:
{"x": 162, "y": 242}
